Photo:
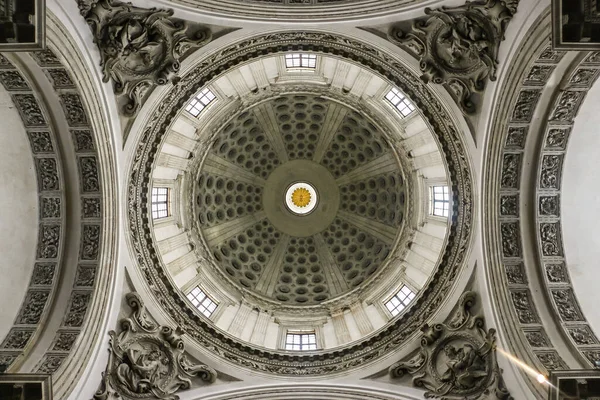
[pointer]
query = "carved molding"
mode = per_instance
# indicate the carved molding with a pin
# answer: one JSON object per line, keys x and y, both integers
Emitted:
{"x": 148, "y": 361}
{"x": 139, "y": 47}
{"x": 456, "y": 360}
{"x": 458, "y": 46}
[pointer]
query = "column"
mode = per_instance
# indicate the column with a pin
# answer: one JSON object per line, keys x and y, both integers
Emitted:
{"x": 239, "y": 321}
{"x": 362, "y": 320}
{"x": 340, "y": 328}
{"x": 260, "y": 328}
{"x": 167, "y": 245}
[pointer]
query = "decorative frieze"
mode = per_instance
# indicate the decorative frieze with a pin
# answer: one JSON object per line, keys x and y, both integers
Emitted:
{"x": 83, "y": 140}
{"x": 59, "y": 78}
{"x": 77, "y": 309}
{"x": 515, "y": 274}
{"x": 549, "y": 206}
{"x": 516, "y": 136}
{"x": 509, "y": 205}
{"x": 13, "y": 80}
{"x": 86, "y": 275}
{"x": 74, "y": 110}
{"x": 556, "y": 273}
{"x": 17, "y": 339}
{"x": 50, "y": 207}
{"x": 50, "y": 363}
{"x": 551, "y": 360}
{"x": 64, "y": 341}
{"x": 582, "y": 335}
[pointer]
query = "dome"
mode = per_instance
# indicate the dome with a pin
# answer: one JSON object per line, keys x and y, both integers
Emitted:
{"x": 300, "y": 188}
{"x": 284, "y": 253}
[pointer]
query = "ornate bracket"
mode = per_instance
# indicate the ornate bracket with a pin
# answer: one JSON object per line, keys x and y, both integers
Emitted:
{"x": 139, "y": 48}
{"x": 457, "y": 360}
{"x": 147, "y": 361}
{"x": 458, "y": 46}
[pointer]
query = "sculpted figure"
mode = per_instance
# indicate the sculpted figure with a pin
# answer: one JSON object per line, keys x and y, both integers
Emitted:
{"x": 465, "y": 366}
{"x": 140, "y": 370}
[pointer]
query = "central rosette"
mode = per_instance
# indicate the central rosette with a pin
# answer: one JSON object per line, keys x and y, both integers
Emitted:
{"x": 301, "y": 197}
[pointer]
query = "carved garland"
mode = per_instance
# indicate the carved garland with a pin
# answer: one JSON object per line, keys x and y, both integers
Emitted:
{"x": 322, "y": 362}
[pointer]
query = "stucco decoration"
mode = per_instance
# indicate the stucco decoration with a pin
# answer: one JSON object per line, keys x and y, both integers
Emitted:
{"x": 139, "y": 48}
{"x": 457, "y": 359}
{"x": 458, "y": 46}
{"x": 148, "y": 361}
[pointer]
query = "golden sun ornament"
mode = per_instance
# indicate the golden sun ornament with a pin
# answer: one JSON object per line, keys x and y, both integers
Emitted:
{"x": 301, "y": 197}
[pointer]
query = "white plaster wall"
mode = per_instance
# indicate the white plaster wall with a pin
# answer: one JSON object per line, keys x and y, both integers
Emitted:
{"x": 580, "y": 207}
{"x": 18, "y": 212}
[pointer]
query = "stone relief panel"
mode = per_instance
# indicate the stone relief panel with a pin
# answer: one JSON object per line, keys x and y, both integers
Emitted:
{"x": 511, "y": 241}
{"x": 74, "y": 111}
{"x": 34, "y": 305}
{"x": 516, "y": 136}
{"x": 509, "y": 205}
{"x": 511, "y": 170}
{"x": 549, "y": 206}
{"x": 30, "y": 111}
{"x": 537, "y": 338}
{"x": 13, "y": 80}
{"x": 17, "y": 339}
{"x": 43, "y": 274}
{"x": 49, "y": 241}
{"x": 524, "y": 307}
{"x": 456, "y": 360}
{"x": 582, "y": 335}
{"x": 557, "y": 137}
{"x": 538, "y": 75}
{"x": 551, "y": 239}
{"x": 89, "y": 174}
{"x": 47, "y": 172}
{"x": 515, "y": 274}
{"x": 551, "y": 360}
{"x": 551, "y": 169}
{"x": 59, "y": 78}
{"x": 64, "y": 341}
{"x": 50, "y": 207}
{"x": 41, "y": 142}
{"x": 567, "y": 106}
{"x": 148, "y": 361}
{"x": 567, "y": 305}
{"x": 458, "y": 46}
{"x": 556, "y": 273}
{"x": 526, "y": 103}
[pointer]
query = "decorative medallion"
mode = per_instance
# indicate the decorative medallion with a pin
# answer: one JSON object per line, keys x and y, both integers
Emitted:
{"x": 458, "y": 46}
{"x": 457, "y": 360}
{"x": 148, "y": 361}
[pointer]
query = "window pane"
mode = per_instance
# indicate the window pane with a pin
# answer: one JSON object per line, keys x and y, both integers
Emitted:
{"x": 301, "y": 60}
{"x": 400, "y": 102}
{"x": 199, "y": 103}
{"x": 440, "y": 201}
{"x": 400, "y": 300}
{"x": 301, "y": 340}
{"x": 202, "y": 302}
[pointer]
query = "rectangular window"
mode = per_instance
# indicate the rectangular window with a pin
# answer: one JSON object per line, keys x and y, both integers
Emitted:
{"x": 440, "y": 201}
{"x": 399, "y": 100}
{"x": 301, "y": 340}
{"x": 301, "y": 60}
{"x": 199, "y": 103}
{"x": 400, "y": 300}
{"x": 202, "y": 302}
{"x": 160, "y": 202}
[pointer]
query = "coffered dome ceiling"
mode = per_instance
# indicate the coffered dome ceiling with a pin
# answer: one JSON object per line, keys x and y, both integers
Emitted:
{"x": 299, "y": 197}
{"x": 283, "y": 253}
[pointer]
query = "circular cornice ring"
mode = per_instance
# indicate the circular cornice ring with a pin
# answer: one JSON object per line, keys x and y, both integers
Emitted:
{"x": 320, "y": 362}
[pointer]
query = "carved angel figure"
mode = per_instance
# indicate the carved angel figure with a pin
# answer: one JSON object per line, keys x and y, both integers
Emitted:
{"x": 133, "y": 39}
{"x": 465, "y": 367}
{"x": 140, "y": 370}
